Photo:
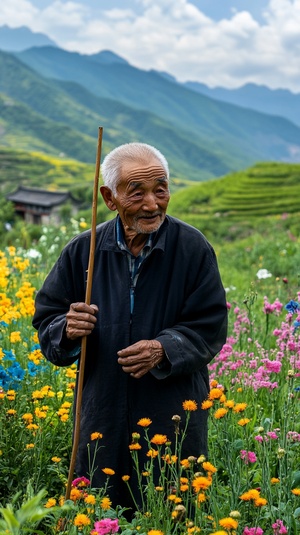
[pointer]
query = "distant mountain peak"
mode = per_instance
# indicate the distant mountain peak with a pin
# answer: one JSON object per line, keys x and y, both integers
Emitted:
{"x": 107, "y": 57}
{"x": 22, "y": 38}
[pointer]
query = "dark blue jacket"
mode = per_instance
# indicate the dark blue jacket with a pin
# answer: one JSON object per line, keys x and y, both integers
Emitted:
{"x": 179, "y": 300}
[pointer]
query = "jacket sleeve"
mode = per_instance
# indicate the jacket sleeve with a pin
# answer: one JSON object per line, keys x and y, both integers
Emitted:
{"x": 202, "y": 327}
{"x": 51, "y": 306}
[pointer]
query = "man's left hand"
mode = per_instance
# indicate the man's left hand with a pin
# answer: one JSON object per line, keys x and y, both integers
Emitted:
{"x": 141, "y": 357}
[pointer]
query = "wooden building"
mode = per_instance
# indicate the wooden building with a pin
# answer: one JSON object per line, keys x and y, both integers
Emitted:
{"x": 41, "y": 206}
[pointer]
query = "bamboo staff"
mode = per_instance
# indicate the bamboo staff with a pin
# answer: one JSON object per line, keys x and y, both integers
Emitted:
{"x": 88, "y": 302}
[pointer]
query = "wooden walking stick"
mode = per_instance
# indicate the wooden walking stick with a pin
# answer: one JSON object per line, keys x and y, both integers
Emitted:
{"x": 88, "y": 302}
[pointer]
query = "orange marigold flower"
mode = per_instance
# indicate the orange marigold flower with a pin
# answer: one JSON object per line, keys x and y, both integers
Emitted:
{"x": 76, "y": 494}
{"x": 201, "y": 497}
{"x": 214, "y": 383}
{"x": 189, "y": 405}
{"x": 108, "y": 471}
{"x": 81, "y": 520}
{"x": 201, "y": 483}
{"x": 56, "y": 459}
{"x": 252, "y": 494}
{"x": 11, "y": 412}
{"x": 105, "y": 503}
{"x": 96, "y": 436}
{"x": 243, "y": 422}
{"x": 296, "y": 492}
{"x": 206, "y": 404}
{"x": 144, "y": 422}
{"x": 155, "y": 532}
{"x": 159, "y": 439}
{"x": 260, "y": 502}
{"x": 274, "y": 480}
{"x": 239, "y": 407}
{"x": 208, "y": 467}
{"x": 228, "y": 523}
{"x": 184, "y": 487}
{"x": 135, "y": 446}
{"x": 29, "y": 446}
{"x": 125, "y": 478}
{"x": 185, "y": 463}
{"x": 215, "y": 393}
{"x": 220, "y": 413}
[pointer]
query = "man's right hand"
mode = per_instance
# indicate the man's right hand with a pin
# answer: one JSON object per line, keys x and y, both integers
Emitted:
{"x": 81, "y": 320}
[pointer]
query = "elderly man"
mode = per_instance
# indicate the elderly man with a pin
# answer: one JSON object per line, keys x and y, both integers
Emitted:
{"x": 158, "y": 316}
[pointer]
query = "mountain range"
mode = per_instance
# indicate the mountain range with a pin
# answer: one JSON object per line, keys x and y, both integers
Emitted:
{"x": 53, "y": 100}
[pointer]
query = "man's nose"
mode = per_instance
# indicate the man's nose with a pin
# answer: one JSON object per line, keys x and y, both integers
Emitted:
{"x": 150, "y": 202}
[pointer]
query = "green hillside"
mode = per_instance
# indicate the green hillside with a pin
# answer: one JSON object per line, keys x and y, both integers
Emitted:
{"x": 64, "y": 117}
{"x": 244, "y": 135}
{"x": 238, "y": 204}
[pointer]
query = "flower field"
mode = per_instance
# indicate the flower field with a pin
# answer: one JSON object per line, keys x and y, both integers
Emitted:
{"x": 249, "y": 485}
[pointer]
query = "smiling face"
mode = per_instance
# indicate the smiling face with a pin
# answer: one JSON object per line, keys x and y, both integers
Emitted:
{"x": 142, "y": 196}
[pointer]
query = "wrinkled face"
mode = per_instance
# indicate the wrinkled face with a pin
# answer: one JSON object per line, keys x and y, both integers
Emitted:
{"x": 142, "y": 196}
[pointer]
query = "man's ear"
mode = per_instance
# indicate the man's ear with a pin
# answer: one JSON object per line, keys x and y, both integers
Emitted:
{"x": 108, "y": 198}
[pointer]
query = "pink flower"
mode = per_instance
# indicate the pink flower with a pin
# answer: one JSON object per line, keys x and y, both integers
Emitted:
{"x": 279, "y": 528}
{"x": 81, "y": 482}
{"x": 253, "y": 531}
{"x": 272, "y": 434}
{"x": 106, "y": 526}
{"x": 248, "y": 456}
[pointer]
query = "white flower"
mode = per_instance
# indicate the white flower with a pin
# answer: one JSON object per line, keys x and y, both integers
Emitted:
{"x": 33, "y": 253}
{"x": 263, "y": 274}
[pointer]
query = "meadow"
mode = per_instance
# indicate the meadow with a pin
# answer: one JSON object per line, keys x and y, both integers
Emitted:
{"x": 249, "y": 485}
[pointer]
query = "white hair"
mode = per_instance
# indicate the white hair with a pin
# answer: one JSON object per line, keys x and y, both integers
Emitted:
{"x": 112, "y": 163}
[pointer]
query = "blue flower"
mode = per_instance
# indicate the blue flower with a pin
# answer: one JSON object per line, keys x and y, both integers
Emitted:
{"x": 32, "y": 368}
{"x": 292, "y": 306}
{"x": 8, "y": 355}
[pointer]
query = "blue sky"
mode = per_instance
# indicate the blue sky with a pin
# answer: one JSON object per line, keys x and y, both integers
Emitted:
{"x": 218, "y": 42}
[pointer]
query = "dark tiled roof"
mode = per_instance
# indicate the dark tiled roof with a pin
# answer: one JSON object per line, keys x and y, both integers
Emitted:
{"x": 38, "y": 197}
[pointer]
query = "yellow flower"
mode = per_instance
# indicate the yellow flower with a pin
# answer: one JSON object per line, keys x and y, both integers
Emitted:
{"x": 105, "y": 503}
{"x": 96, "y": 436}
{"x": 155, "y": 532}
{"x": 239, "y": 407}
{"x": 56, "y": 459}
{"x": 296, "y": 492}
{"x": 50, "y": 503}
{"x": 159, "y": 439}
{"x": 229, "y": 403}
{"x": 90, "y": 499}
{"x": 215, "y": 393}
{"x": 81, "y": 520}
{"x": 11, "y": 412}
{"x": 15, "y": 337}
{"x": 159, "y": 489}
{"x": 184, "y": 487}
{"x": 190, "y": 405}
{"x": 219, "y": 533}
{"x": 27, "y": 417}
{"x": 108, "y": 471}
{"x": 201, "y": 483}
{"x": 208, "y": 467}
{"x": 152, "y": 453}
{"x": 144, "y": 422}
{"x": 220, "y": 413}
{"x": 125, "y": 478}
{"x": 29, "y": 446}
{"x": 201, "y": 497}
{"x": 228, "y": 523}
{"x": 274, "y": 480}
{"x": 243, "y": 422}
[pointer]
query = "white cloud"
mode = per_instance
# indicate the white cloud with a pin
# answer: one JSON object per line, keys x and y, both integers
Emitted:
{"x": 175, "y": 36}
